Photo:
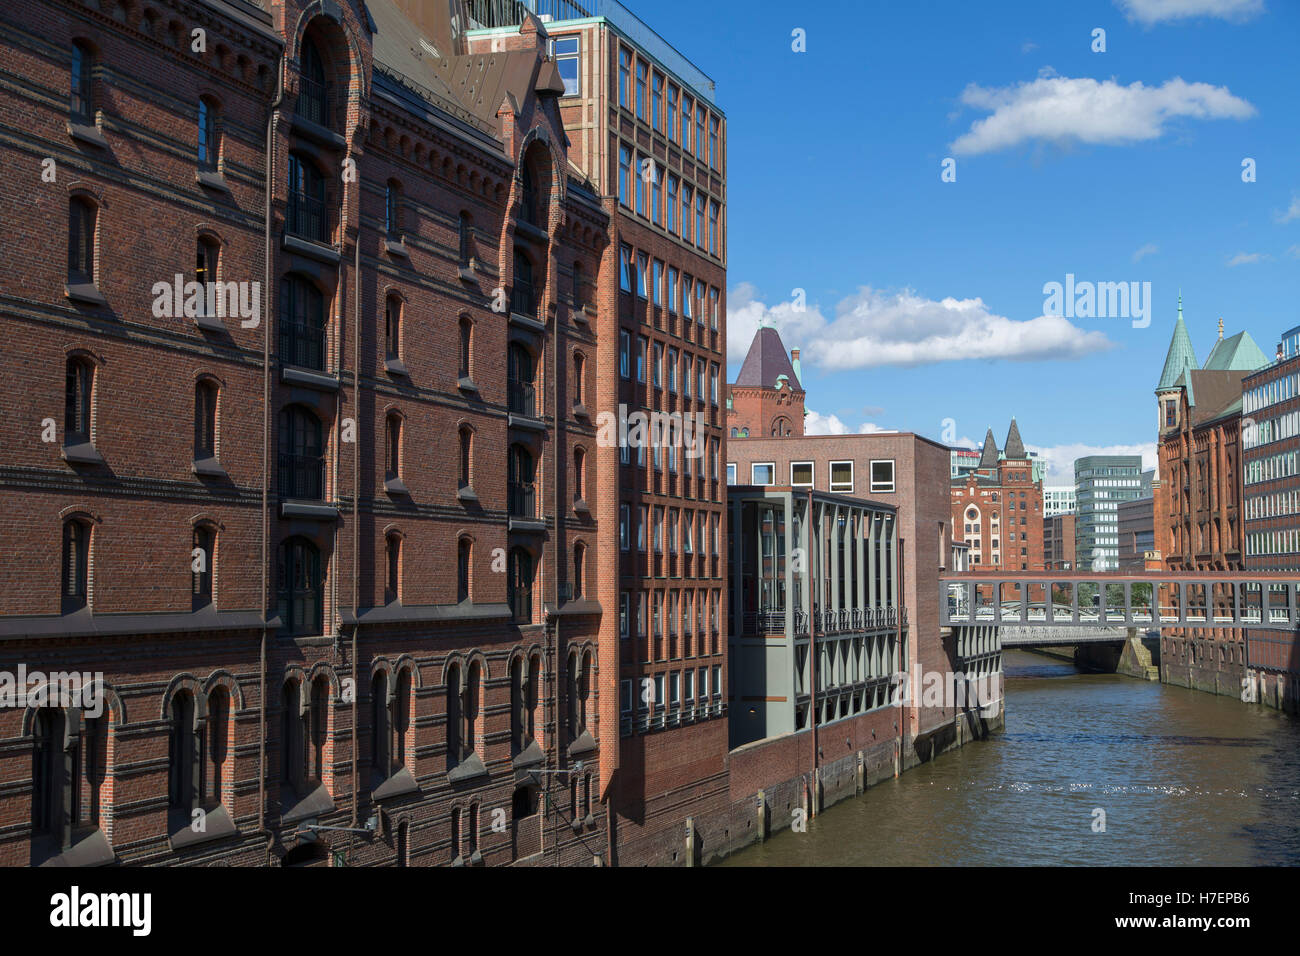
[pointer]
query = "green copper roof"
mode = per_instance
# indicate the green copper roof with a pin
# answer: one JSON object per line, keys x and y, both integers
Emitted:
{"x": 1181, "y": 355}
{"x": 1238, "y": 353}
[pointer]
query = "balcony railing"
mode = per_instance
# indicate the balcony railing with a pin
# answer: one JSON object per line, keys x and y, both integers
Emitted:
{"x": 301, "y": 476}
{"x": 522, "y": 398}
{"x": 314, "y": 102}
{"x": 522, "y": 300}
{"x": 302, "y": 344}
{"x": 521, "y": 501}
{"x": 307, "y": 217}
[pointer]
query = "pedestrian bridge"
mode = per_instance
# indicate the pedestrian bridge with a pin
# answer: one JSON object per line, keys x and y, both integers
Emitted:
{"x": 1214, "y": 599}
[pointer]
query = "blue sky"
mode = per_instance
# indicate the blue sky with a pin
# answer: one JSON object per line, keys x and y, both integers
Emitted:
{"x": 924, "y": 299}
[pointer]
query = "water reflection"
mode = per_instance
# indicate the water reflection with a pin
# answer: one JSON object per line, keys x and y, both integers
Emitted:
{"x": 1182, "y": 777}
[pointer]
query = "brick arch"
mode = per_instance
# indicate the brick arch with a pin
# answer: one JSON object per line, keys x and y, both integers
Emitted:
{"x": 335, "y": 26}
{"x": 184, "y": 682}
{"x": 326, "y": 668}
{"x": 380, "y": 665}
{"x": 223, "y": 678}
{"x": 405, "y": 662}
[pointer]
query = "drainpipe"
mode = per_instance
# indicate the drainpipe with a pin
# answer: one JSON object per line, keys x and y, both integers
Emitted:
{"x": 814, "y": 582}
{"x": 267, "y": 285}
{"x": 356, "y": 488}
{"x": 555, "y": 545}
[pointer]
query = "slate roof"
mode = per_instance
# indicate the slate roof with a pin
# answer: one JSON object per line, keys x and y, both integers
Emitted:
{"x": 1015, "y": 448}
{"x": 989, "y": 456}
{"x": 766, "y": 362}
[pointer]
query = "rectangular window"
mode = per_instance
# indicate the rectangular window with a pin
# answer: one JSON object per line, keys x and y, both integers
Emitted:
{"x": 731, "y": 472}
{"x": 622, "y": 614}
{"x": 699, "y": 220}
{"x": 672, "y": 112}
{"x": 672, "y": 288}
{"x": 659, "y": 529}
{"x": 688, "y": 295}
{"x": 657, "y": 102}
{"x": 659, "y": 283}
{"x": 686, "y": 212}
{"x": 565, "y": 51}
{"x": 643, "y": 275}
{"x": 688, "y": 532}
{"x": 640, "y": 528}
{"x": 641, "y": 70}
{"x": 714, "y": 156}
{"x": 762, "y": 474}
{"x": 688, "y": 371}
{"x": 687, "y": 106}
{"x": 699, "y": 132}
{"x": 713, "y": 382}
{"x": 713, "y": 228}
{"x": 641, "y": 345}
{"x": 672, "y": 370}
{"x": 713, "y": 308}
{"x": 658, "y": 370}
{"x": 670, "y": 208}
{"x": 625, "y": 697}
{"x": 801, "y": 473}
{"x": 625, "y": 268}
{"x": 644, "y": 170}
{"x": 624, "y": 517}
{"x": 882, "y": 477}
{"x": 841, "y": 475}
{"x": 624, "y": 75}
{"x": 624, "y": 353}
{"x": 625, "y": 176}
{"x": 656, "y": 194}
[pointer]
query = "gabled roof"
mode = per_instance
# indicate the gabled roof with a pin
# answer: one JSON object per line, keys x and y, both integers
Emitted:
{"x": 766, "y": 362}
{"x": 1236, "y": 353}
{"x": 989, "y": 456}
{"x": 1015, "y": 447}
{"x": 1181, "y": 356}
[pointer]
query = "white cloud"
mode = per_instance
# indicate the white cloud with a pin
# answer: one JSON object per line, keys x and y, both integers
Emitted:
{"x": 1060, "y": 458}
{"x": 1061, "y": 110}
{"x": 817, "y": 424}
{"x": 1248, "y": 258}
{"x": 1149, "y": 249}
{"x": 1292, "y": 212}
{"x": 1148, "y": 12}
{"x": 873, "y": 328}
{"x": 1029, "y": 46}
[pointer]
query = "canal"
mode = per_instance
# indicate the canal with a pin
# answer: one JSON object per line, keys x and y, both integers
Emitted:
{"x": 1184, "y": 778}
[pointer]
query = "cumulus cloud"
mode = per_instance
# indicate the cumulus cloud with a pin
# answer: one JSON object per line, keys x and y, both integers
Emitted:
{"x": 1292, "y": 211}
{"x": 1248, "y": 258}
{"x": 1149, "y": 249}
{"x": 1148, "y": 12}
{"x": 818, "y": 424}
{"x": 1063, "y": 110}
{"x": 1060, "y": 458}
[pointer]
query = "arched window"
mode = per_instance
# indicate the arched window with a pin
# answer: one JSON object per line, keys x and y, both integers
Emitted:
{"x": 314, "y": 92}
{"x": 82, "y": 218}
{"x": 470, "y": 707}
{"x": 457, "y": 829}
{"x": 518, "y": 710}
{"x": 393, "y": 446}
{"x": 301, "y": 462}
{"x": 781, "y": 427}
{"x": 216, "y": 772}
{"x": 392, "y": 580}
{"x": 209, "y": 147}
{"x": 205, "y": 274}
{"x": 519, "y": 582}
{"x": 306, "y": 213}
{"x": 584, "y": 689}
{"x": 455, "y": 740}
{"x": 401, "y": 717}
{"x": 202, "y": 556}
{"x": 300, "y": 592}
{"x": 77, "y": 400}
{"x": 292, "y": 757}
{"x": 466, "y": 341}
{"x": 531, "y": 697}
{"x": 579, "y": 567}
{"x": 205, "y": 420}
{"x": 528, "y": 194}
{"x": 82, "y": 102}
{"x": 319, "y": 716}
{"x": 464, "y": 552}
{"x": 520, "y": 374}
{"x": 523, "y": 300}
{"x": 183, "y": 755}
{"x": 519, "y": 483}
{"x": 302, "y": 324}
{"x": 579, "y": 474}
{"x": 393, "y": 328}
{"x": 48, "y": 772}
{"x": 579, "y": 370}
{"x": 76, "y": 565}
{"x": 380, "y": 759}
{"x": 466, "y": 449}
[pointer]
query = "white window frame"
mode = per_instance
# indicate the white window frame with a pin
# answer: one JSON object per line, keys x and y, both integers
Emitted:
{"x": 753, "y": 478}
{"x": 871, "y": 476}
{"x": 830, "y": 472}
{"x": 812, "y": 480}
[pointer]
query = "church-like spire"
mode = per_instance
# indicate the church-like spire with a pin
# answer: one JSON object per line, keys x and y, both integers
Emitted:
{"x": 1015, "y": 448}
{"x": 1181, "y": 356}
{"x": 989, "y": 456}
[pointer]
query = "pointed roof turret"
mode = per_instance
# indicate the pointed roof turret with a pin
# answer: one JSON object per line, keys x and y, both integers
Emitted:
{"x": 1181, "y": 357}
{"x": 989, "y": 456}
{"x": 767, "y": 361}
{"x": 1015, "y": 448}
{"x": 1237, "y": 353}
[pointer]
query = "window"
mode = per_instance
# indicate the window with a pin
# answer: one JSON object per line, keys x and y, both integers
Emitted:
{"x": 688, "y": 372}
{"x": 201, "y": 570}
{"x": 688, "y": 296}
{"x": 643, "y": 275}
{"x": 208, "y": 146}
{"x": 302, "y": 324}
{"x": 625, "y": 268}
{"x": 713, "y": 382}
{"x": 622, "y": 614}
{"x": 624, "y": 353}
{"x": 466, "y": 342}
{"x": 81, "y": 103}
{"x": 801, "y": 473}
{"x": 731, "y": 473}
{"x": 672, "y": 112}
{"x": 75, "y": 588}
{"x": 686, "y": 212}
{"x": 579, "y": 473}
{"x": 640, "y": 528}
{"x": 699, "y": 219}
{"x": 519, "y": 486}
{"x": 687, "y": 106}
{"x": 882, "y": 476}
{"x": 522, "y": 300}
{"x": 78, "y": 401}
{"x": 657, "y": 102}
{"x": 466, "y": 239}
{"x": 579, "y": 565}
{"x": 641, "y": 70}
{"x": 659, "y": 283}
{"x": 565, "y": 51}
{"x": 82, "y": 217}
{"x": 699, "y": 132}
{"x": 313, "y": 94}
{"x": 672, "y": 370}
{"x": 299, "y": 587}
{"x": 713, "y": 308}
{"x": 393, "y": 555}
{"x": 519, "y": 583}
{"x": 624, "y": 75}
{"x": 658, "y": 369}
{"x": 306, "y": 214}
{"x": 301, "y": 462}
{"x": 644, "y": 170}
{"x": 656, "y": 194}
{"x": 520, "y": 374}
{"x": 625, "y": 176}
{"x": 670, "y": 208}
{"x": 713, "y": 227}
{"x": 714, "y": 156}
{"x": 624, "y": 517}
{"x": 642, "y": 346}
{"x": 205, "y": 274}
{"x": 392, "y": 209}
{"x": 464, "y": 554}
{"x": 763, "y": 474}
{"x": 393, "y": 328}
{"x": 841, "y": 475}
